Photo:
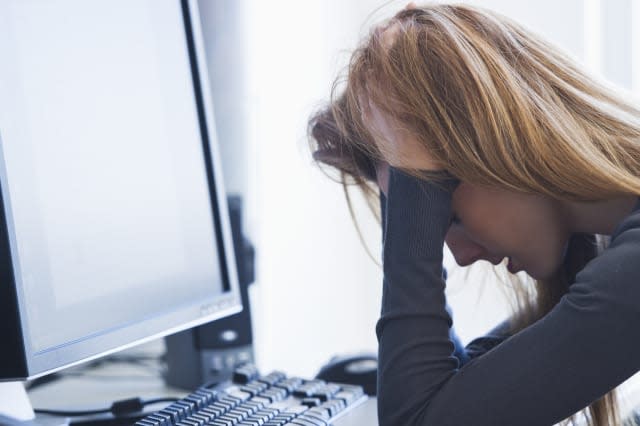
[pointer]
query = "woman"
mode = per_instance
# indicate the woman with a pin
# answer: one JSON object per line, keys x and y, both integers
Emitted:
{"x": 475, "y": 132}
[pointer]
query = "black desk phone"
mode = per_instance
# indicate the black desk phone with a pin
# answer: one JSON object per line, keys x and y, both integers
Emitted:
{"x": 360, "y": 369}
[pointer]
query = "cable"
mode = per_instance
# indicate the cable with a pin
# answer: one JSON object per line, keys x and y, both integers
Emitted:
{"x": 118, "y": 408}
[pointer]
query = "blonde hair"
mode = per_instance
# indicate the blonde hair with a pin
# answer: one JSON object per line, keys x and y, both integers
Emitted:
{"x": 498, "y": 106}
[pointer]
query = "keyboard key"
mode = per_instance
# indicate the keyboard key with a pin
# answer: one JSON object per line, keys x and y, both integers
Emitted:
{"x": 266, "y": 412}
{"x": 326, "y": 392}
{"x": 247, "y": 409}
{"x": 216, "y": 409}
{"x": 272, "y": 378}
{"x": 312, "y": 418}
{"x": 311, "y": 402}
{"x": 227, "y": 402}
{"x": 277, "y": 393}
{"x": 186, "y": 407}
{"x": 255, "y": 405}
{"x": 199, "y": 401}
{"x": 207, "y": 395}
{"x": 295, "y": 409}
{"x": 245, "y": 374}
{"x": 260, "y": 417}
{"x": 308, "y": 388}
{"x": 290, "y": 384}
{"x": 201, "y": 418}
{"x": 261, "y": 400}
{"x": 322, "y": 413}
{"x": 160, "y": 419}
{"x": 305, "y": 422}
{"x": 231, "y": 418}
{"x": 334, "y": 406}
{"x": 347, "y": 397}
{"x": 283, "y": 417}
{"x": 173, "y": 415}
{"x": 237, "y": 394}
{"x": 239, "y": 414}
{"x": 175, "y": 412}
{"x": 189, "y": 422}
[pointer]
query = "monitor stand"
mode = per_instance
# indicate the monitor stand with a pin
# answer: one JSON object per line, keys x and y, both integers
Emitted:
{"x": 16, "y": 409}
{"x": 14, "y": 401}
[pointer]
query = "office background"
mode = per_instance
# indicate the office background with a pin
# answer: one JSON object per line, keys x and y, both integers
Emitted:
{"x": 317, "y": 291}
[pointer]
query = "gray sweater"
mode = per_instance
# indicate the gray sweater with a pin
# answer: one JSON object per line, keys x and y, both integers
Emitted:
{"x": 557, "y": 366}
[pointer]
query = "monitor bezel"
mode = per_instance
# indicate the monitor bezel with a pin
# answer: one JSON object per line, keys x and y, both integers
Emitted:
{"x": 18, "y": 361}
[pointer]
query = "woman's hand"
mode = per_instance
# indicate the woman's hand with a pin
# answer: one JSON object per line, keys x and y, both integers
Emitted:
{"x": 399, "y": 147}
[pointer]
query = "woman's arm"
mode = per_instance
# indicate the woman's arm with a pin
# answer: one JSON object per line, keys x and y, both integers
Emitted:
{"x": 462, "y": 353}
{"x": 588, "y": 344}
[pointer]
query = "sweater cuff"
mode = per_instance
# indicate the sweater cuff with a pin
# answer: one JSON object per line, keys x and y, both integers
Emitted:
{"x": 418, "y": 214}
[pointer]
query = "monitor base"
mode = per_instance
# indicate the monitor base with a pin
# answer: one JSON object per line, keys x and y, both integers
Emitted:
{"x": 14, "y": 401}
{"x": 16, "y": 408}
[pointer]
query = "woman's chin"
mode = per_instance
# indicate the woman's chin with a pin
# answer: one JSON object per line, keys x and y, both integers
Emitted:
{"x": 542, "y": 275}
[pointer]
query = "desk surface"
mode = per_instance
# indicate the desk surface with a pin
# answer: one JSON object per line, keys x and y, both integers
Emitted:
{"x": 83, "y": 388}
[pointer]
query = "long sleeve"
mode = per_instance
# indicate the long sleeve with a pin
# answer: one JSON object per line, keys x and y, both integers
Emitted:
{"x": 462, "y": 353}
{"x": 588, "y": 344}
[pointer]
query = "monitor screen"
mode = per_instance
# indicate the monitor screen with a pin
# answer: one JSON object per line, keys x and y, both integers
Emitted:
{"x": 116, "y": 228}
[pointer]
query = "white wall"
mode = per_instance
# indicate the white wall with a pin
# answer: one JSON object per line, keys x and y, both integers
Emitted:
{"x": 317, "y": 292}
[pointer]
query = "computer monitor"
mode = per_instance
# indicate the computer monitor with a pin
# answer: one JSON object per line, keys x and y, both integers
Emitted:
{"x": 114, "y": 227}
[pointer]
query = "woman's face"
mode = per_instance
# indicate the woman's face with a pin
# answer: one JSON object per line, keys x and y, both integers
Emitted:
{"x": 492, "y": 223}
{"x": 495, "y": 223}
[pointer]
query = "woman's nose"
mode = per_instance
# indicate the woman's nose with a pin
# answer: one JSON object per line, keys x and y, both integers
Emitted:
{"x": 464, "y": 250}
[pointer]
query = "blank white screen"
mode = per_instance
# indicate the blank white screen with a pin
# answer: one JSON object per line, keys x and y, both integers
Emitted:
{"x": 104, "y": 165}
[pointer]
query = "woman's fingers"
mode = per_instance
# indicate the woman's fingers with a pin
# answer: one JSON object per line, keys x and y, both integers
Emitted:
{"x": 399, "y": 146}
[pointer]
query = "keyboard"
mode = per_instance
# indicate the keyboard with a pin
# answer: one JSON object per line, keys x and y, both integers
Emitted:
{"x": 251, "y": 399}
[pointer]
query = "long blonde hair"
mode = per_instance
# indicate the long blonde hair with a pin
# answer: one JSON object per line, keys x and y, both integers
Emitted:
{"x": 498, "y": 106}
